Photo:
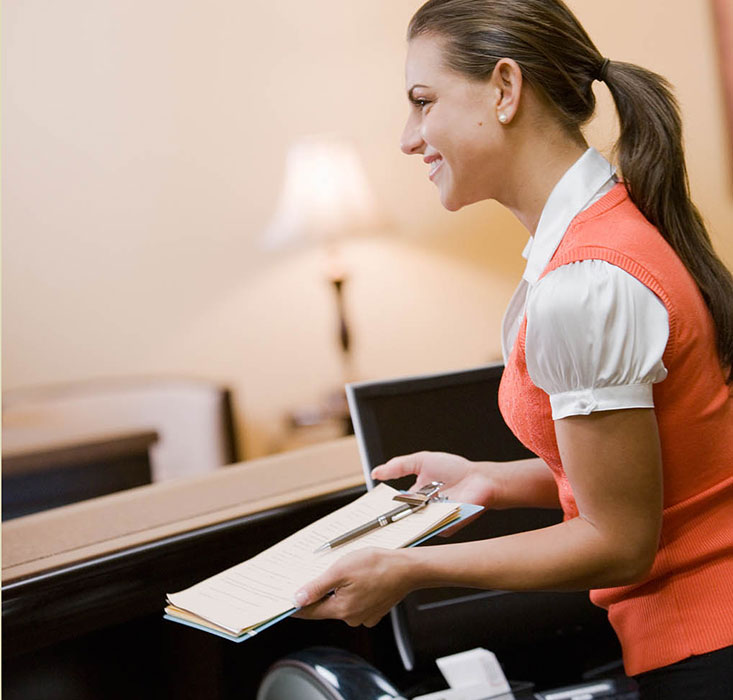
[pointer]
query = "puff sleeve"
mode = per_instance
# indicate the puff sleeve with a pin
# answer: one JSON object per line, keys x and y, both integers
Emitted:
{"x": 595, "y": 339}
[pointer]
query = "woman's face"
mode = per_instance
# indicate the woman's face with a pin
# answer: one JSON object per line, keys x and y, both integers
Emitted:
{"x": 453, "y": 125}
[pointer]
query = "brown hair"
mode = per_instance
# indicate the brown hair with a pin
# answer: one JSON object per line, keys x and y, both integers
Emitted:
{"x": 559, "y": 60}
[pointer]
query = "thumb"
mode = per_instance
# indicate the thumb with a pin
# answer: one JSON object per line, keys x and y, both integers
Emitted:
{"x": 398, "y": 466}
{"x": 313, "y": 591}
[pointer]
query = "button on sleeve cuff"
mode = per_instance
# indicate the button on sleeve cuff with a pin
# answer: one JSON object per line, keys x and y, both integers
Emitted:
{"x": 581, "y": 402}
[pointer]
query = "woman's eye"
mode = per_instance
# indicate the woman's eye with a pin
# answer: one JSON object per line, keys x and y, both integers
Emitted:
{"x": 420, "y": 102}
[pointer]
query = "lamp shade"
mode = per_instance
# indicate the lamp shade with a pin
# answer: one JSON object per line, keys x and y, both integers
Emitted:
{"x": 325, "y": 195}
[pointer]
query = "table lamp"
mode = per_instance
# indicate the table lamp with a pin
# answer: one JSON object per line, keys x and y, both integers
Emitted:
{"x": 324, "y": 199}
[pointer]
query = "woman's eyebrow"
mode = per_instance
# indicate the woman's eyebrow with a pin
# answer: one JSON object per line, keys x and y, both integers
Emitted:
{"x": 410, "y": 96}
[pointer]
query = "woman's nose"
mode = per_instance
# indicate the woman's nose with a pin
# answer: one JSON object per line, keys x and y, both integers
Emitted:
{"x": 411, "y": 141}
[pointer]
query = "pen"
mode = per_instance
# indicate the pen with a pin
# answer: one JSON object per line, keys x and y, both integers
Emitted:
{"x": 385, "y": 519}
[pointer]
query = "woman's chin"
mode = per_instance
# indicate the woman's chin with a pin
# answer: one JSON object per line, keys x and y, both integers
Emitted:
{"x": 450, "y": 203}
{"x": 448, "y": 194}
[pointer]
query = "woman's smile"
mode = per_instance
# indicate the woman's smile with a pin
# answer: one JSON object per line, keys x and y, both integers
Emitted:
{"x": 434, "y": 161}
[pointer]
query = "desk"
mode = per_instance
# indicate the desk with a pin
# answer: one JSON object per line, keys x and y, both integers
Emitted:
{"x": 84, "y": 585}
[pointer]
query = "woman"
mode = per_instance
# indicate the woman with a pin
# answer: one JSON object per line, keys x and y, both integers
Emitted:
{"x": 618, "y": 347}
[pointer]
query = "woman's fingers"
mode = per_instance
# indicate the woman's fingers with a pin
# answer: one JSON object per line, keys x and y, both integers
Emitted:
{"x": 359, "y": 589}
{"x": 425, "y": 465}
{"x": 400, "y": 466}
{"x": 316, "y": 590}
{"x": 344, "y": 605}
{"x": 320, "y": 610}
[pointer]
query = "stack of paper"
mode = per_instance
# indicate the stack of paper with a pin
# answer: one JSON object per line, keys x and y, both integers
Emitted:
{"x": 240, "y": 601}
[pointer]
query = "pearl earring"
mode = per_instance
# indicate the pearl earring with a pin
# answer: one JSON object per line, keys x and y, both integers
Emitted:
{"x": 503, "y": 118}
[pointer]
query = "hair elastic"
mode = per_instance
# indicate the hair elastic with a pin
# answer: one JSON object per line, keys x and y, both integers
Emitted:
{"x": 602, "y": 70}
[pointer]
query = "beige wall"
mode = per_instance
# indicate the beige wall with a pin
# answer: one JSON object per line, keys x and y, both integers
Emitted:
{"x": 143, "y": 147}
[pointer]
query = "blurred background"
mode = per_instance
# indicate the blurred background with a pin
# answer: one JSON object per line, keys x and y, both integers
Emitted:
{"x": 144, "y": 157}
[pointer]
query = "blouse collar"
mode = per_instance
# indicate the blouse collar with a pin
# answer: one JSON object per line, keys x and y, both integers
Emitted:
{"x": 589, "y": 178}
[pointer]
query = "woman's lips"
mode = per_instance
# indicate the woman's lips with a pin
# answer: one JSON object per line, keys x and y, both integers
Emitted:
{"x": 435, "y": 164}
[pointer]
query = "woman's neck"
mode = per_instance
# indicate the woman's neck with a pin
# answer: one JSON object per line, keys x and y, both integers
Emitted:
{"x": 539, "y": 160}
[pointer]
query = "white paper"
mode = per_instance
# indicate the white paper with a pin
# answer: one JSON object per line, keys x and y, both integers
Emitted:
{"x": 474, "y": 668}
{"x": 263, "y": 587}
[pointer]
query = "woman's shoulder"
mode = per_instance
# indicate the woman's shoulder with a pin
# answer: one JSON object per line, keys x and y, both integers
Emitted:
{"x": 579, "y": 289}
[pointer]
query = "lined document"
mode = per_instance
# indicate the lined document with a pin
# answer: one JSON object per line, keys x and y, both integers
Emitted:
{"x": 248, "y": 595}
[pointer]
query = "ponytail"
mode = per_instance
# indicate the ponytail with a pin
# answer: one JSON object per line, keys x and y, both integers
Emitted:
{"x": 559, "y": 60}
{"x": 652, "y": 161}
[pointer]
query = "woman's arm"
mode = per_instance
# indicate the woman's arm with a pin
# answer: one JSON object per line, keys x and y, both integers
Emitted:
{"x": 614, "y": 465}
{"x": 523, "y": 483}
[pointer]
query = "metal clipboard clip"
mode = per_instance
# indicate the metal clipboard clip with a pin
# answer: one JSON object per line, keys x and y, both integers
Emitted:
{"x": 423, "y": 496}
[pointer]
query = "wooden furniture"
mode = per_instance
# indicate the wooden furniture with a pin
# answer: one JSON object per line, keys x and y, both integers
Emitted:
{"x": 49, "y": 471}
{"x": 193, "y": 418}
{"x": 84, "y": 585}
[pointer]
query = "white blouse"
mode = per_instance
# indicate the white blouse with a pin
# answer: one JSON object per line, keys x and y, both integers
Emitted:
{"x": 595, "y": 334}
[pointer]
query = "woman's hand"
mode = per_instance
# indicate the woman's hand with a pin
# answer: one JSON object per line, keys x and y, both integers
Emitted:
{"x": 465, "y": 481}
{"x": 360, "y": 588}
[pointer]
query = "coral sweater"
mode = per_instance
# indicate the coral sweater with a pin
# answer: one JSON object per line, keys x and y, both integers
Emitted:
{"x": 684, "y": 606}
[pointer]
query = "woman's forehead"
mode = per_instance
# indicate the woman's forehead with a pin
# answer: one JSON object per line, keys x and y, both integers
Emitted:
{"x": 425, "y": 60}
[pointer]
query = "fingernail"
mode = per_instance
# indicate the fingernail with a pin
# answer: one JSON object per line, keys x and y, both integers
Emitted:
{"x": 301, "y": 599}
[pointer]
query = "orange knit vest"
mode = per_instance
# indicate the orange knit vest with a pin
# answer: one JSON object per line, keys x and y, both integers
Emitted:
{"x": 685, "y": 605}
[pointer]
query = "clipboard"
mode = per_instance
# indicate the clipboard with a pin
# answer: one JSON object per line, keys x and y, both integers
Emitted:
{"x": 464, "y": 511}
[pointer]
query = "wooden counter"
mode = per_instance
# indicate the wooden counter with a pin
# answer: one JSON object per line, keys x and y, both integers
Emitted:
{"x": 41, "y": 543}
{"x": 84, "y": 585}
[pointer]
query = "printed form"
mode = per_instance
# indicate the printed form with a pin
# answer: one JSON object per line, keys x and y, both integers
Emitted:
{"x": 261, "y": 588}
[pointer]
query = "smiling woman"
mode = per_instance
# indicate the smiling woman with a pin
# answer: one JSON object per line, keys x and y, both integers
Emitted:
{"x": 618, "y": 346}
{"x": 452, "y": 125}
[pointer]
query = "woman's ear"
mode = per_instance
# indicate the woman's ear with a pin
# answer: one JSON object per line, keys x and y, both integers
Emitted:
{"x": 507, "y": 82}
